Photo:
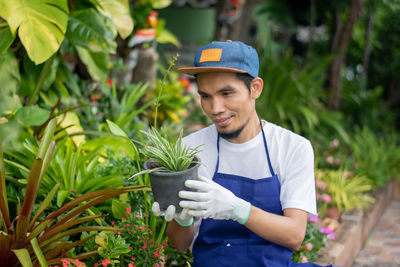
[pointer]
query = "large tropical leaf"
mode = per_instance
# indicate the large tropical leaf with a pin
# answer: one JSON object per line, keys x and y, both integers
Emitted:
{"x": 41, "y": 25}
{"x": 97, "y": 64}
{"x": 158, "y": 4}
{"x": 91, "y": 30}
{"x": 6, "y": 38}
{"x": 118, "y": 11}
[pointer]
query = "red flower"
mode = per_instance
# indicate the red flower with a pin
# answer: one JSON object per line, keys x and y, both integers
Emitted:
{"x": 152, "y": 19}
{"x": 79, "y": 263}
{"x": 156, "y": 255}
{"x": 109, "y": 81}
{"x": 128, "y": 211}
{"x": 105, "y": 262}
{"x": 185, "y": 82}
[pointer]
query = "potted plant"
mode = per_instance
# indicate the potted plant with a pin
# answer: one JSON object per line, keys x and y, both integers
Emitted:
{"x": 169, "y": 166}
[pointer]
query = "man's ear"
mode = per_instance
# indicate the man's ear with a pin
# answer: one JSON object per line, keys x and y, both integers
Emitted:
{"x": 256, "y": 87}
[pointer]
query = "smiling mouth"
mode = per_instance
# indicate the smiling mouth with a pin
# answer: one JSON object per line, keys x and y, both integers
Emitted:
{"x": 223, "y": 121}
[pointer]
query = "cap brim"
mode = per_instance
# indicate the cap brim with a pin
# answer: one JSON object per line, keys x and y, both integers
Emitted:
{"x": 196, "y": 70}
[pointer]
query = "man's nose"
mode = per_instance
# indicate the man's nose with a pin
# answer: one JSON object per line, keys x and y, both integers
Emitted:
{"x": 218, "y": 106}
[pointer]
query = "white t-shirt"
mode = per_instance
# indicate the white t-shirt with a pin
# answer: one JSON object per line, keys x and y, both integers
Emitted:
{"x": 291, "y": 155}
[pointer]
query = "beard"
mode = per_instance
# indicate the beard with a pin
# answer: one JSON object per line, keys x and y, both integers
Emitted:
{"x": 235, "y": 133}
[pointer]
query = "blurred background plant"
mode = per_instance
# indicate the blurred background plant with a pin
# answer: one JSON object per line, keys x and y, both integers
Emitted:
{"x": 315, "y": 239}
{"x": 90, "y": 61}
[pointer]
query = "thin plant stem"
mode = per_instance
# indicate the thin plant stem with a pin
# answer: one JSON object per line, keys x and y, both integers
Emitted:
{"x": 42, "y": 78}
{"x": 171, "y": 64}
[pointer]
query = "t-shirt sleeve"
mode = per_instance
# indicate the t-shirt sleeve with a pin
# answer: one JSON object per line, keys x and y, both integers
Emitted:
{"x": 298, "y": 181}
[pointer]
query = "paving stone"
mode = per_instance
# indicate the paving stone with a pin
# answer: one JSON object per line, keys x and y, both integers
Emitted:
{"x": 382, "y": 247}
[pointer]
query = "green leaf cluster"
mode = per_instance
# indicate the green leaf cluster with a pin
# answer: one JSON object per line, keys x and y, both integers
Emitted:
{"x": 347, "y": 193}
{"x": 171, "y": 157}
{"x": 292, "y": 96}
{"x": 36, "y": 238}
{"x": 378, "y": 157}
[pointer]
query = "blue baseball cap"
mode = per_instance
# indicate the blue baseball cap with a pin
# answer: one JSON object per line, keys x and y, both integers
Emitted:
{"x": 229, "y": 56}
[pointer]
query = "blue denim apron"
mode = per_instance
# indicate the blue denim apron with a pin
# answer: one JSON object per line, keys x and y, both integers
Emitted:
{"x": 228, "y": 243}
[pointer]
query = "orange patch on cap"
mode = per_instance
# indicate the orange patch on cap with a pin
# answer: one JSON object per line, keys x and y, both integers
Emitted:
{"x": 212, "y": 54}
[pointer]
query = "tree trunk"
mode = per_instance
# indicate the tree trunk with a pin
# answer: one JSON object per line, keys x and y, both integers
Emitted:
{"x": 235, "y": 26}
{"x": 340, "y": 44}
{"x": 367, "y": 49}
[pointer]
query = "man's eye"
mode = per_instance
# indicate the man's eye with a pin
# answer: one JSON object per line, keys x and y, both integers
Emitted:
{"x": 204, "y": 96}
{"x": 227, "y": 93}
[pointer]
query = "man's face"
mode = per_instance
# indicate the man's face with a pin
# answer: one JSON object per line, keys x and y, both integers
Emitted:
{"x": 226, "y": 101}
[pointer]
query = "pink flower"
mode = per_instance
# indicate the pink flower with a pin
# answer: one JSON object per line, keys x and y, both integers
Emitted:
{"x": 79, "y": 263}
{"x": 335, "y": 143}
{"x": 128, "y": 211}
{"x": 156, "y": 255}
{"x": 325, "y": 153}
{"x": 326, "y": 198}
{"x": 321, "y": 185}
{"x": 65, "y": 262}
{"x": 337, "y": 161}
{"x": 329, "y": 160}
{"x": 328, "y": 231}
{"x": 318, "y": 196}
{"x": 123, "y": 219}
{"x": 348, "y": 174}
{"x": 313, "y": 219}
{"x": 105, "y": 262}
{"x": 304, "y": 259}
{"x": 356, "y": 165}
{"x": 308, "y": 246}
{"x": 131, "y": 265}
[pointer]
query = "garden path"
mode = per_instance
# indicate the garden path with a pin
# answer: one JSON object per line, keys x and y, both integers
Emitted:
{"x": 382, "y": 247}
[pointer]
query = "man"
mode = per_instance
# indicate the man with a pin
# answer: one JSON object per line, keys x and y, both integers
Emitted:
{"x": 256, "y": 182}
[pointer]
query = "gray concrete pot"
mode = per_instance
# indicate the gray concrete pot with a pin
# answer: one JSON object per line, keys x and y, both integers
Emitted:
{"x": 166, "y": 185}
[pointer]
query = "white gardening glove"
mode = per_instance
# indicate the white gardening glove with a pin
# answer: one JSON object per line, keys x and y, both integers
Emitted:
{"x": 183, "y": 218}
{"x": 213, "y": 201}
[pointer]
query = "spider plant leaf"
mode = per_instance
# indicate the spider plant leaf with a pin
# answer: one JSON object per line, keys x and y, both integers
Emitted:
{"x": 147, "y": 171}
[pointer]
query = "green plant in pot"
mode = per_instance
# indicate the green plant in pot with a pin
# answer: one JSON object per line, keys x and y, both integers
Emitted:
{"x": 169, "y": 166}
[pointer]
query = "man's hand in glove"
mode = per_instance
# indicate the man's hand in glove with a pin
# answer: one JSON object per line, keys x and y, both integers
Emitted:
{"x": 183, "y": 218}
{"x": 213, "y": 201}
